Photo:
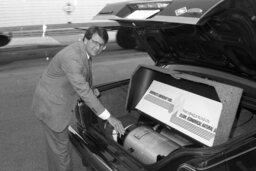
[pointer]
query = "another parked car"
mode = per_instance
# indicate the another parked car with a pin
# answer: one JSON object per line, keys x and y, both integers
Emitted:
{"x": 5, "y": 38}
{"x": 196, "y": 108}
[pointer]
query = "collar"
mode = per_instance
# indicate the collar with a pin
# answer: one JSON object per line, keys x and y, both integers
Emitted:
{"x": 84, "y": 56}
{"x": 83, "y": 47}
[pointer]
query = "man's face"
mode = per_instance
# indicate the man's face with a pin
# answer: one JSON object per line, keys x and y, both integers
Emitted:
{"x": 95, "y": 45}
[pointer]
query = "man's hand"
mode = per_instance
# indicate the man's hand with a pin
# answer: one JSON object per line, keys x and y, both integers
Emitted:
{"x": 118, "y": 126}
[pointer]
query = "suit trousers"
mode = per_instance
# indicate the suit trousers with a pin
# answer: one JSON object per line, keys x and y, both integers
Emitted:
{"x": 58, "y": 149}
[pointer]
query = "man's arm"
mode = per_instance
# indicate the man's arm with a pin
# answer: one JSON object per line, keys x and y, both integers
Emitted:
{"x": 73, "y": 69}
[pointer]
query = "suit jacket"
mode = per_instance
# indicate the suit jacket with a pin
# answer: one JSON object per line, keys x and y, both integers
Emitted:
{"x": 64, "y": 80}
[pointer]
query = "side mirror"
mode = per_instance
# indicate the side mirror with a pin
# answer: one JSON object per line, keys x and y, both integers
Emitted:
{"x": 5, "y": 38}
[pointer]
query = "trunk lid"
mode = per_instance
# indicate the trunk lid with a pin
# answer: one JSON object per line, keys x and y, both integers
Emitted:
{"x": 218, "y": 34}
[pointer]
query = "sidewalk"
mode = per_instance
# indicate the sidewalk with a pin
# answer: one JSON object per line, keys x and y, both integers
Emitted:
{"x": 59, "y": 34}
{"x": 51, "y": 40}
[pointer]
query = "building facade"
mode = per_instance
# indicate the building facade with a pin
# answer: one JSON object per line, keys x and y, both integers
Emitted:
{"x": 18, "y": 13}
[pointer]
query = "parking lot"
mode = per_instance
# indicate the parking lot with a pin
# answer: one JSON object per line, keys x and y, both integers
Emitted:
{"x": 22, "y": 144}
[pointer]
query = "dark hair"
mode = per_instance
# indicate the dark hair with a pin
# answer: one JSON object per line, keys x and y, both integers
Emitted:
{"x": 102, "y": 32}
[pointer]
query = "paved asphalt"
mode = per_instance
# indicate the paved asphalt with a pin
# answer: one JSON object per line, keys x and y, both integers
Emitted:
{"x": 21, "y": 141}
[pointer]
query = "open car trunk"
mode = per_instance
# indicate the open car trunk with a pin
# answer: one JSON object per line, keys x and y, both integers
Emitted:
{"x": 195, "y": 110}
{"x": 172, "y": 120}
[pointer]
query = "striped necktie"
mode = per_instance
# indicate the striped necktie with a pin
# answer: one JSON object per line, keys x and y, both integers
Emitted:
{"x": 90, "y": 72}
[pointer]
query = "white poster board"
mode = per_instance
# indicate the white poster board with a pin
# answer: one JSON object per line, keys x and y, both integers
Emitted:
{"x": 192, "y": 114}
{"x": 142, "y": 14}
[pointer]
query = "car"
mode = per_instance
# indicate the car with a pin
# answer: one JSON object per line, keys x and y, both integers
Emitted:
{"x": 195, "y": 108}
{"x": 5, "y": 38}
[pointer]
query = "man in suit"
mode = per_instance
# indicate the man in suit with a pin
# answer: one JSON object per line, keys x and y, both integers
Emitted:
{"x": 67, "y": 78}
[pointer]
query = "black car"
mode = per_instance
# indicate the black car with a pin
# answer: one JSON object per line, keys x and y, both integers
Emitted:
{"x": 196, "y": 108}
{"x": 5, "y": 38}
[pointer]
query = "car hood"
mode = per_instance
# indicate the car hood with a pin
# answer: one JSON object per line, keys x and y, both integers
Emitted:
{"x": 219, "y": 34}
